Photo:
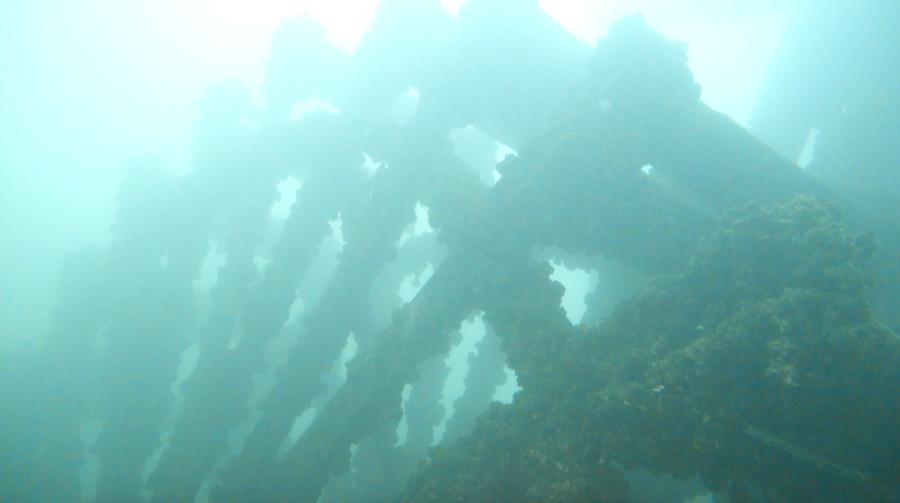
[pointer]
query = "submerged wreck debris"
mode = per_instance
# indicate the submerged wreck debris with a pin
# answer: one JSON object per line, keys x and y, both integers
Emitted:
{"x": 758, "y": 362}
{"x": 830, "y": 102}
{"x": 790, "y": 384}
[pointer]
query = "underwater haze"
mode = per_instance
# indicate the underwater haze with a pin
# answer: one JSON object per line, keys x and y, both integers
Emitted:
{"x": 450, "y": 251}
